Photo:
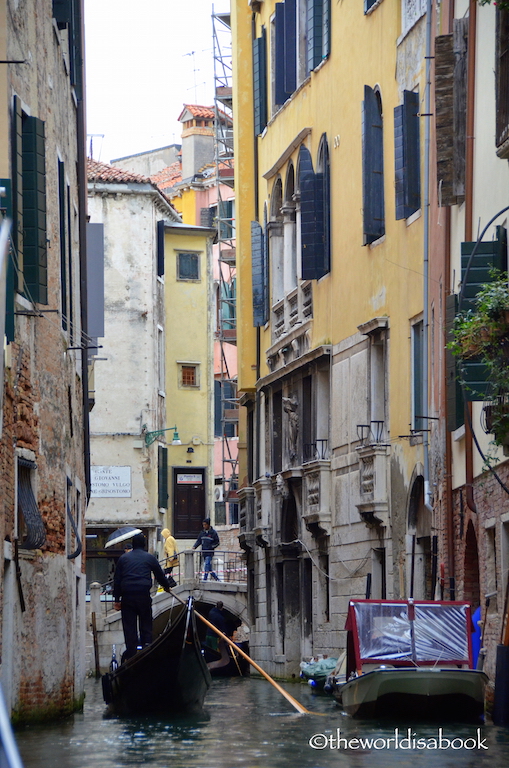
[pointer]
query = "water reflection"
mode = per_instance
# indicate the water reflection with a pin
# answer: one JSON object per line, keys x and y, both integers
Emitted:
{"x": 248, "y": 724}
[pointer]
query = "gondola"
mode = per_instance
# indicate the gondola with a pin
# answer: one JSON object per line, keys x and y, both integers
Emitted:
{"x": 170, "y": 675}
{"x": 223, "y": 663}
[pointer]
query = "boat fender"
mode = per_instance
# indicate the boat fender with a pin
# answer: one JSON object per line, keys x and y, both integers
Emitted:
{"x": 107, "y": 693}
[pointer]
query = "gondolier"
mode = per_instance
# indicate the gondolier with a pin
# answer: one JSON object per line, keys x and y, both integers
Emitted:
{"x": 209, "y": 540}
{"x": 131, "y": 591}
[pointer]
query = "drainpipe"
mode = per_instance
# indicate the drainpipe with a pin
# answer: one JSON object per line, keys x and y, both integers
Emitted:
{"x": 469, "y": 188}
{"x": 425, "y": 362}
{"x": 256, "y": 468}
{"x": 82, "y": 206}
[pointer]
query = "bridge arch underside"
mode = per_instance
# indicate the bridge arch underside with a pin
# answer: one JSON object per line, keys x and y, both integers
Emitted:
{"x": 164, "y": 606}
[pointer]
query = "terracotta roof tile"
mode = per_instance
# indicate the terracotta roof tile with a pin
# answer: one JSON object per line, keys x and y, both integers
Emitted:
{"x": 168, "y": 177}
{"x": 107, "y": 173}
{"x": 198, "y": 111}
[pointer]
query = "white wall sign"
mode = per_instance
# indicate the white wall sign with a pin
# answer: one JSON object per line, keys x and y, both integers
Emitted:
{"x": 110, "y": 482}
{"x": 189, "y": 479}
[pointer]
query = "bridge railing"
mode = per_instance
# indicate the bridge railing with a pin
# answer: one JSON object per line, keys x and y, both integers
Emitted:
{"x": 229, "y": 566}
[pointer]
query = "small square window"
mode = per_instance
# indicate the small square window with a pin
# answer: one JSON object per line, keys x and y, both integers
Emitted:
{"x": 188, "y": 266}
{"x": 188, "y": 375}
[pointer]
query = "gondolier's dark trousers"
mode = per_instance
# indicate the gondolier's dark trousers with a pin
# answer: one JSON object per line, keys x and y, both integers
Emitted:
{"x": 136, "y": 610}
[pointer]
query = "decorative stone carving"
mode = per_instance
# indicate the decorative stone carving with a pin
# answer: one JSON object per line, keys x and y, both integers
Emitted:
{"x": 290, "y": 405}
{"x": 374, "y": 504}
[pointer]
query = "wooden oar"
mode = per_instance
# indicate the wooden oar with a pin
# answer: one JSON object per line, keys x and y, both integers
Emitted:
{"x": 293, "y": 702}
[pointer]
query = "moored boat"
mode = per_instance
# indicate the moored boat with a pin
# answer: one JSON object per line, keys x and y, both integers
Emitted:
{"x": 169, "y": 675}
{"x": 412, "y": 659}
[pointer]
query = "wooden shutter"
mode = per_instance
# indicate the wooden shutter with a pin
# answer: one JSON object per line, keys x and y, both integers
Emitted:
{"x": 314, "y": 33}
{"x": 488, "y": 256}
{"x": 455, "y": 406}
{"x": 260, "y": 83}
{"x": 372, "y": 167}
{"x": 162, "y": 477}
{"x": 312, "y": 218}
{"x": 95, "y": 279}
{"x": 407, "y": 155}
{"x": 280, "y": 94}
{"x": 62, "y": 12}
{"x": 502, "y": 82}
{"x": 17, "y": 189}
{"x": 6, "y": 212}
{"x": 206, "y": 217}
{"x": 259, "y": 280}
{"x": 160, "y": 248}
{"x": 62, "y": 205}
{"x": 290, "y": 46}
{"x": 326, "y": 28}
{"x": 35, "y": 264}
{"x": 444, "y": 86}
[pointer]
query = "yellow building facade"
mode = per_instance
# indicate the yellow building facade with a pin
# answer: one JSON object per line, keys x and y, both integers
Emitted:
{"x": 188, "y": 377}
{"x": 331, "y": 329}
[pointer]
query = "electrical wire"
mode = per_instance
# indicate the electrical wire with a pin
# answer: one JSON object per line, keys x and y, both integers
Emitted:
{"x": 324, "y": 573}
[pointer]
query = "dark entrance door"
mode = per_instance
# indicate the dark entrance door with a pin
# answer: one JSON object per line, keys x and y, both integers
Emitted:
{"x": 189, "y": 506}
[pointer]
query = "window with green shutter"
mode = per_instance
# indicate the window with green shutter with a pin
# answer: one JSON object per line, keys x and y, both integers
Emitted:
{"x": 407, "y": 156}
{"x": 260, "y": 82}
{"x": 372, "y": 167}
{"x": 318, "y": 37}
{"x": 259, "y": 275}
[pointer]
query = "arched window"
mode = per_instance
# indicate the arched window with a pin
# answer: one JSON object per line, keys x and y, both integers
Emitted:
{"x": 276, "y": 242}
{"x": 289, "y": 232}
{"x": 323, "y": 168}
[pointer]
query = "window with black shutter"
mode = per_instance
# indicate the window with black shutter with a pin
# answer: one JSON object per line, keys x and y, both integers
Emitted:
{"x": 162, "y": 477}
{"x": 372, "y": 167}
{"x": 35, "y": 264}
{"x": 407, "y": 156}
{"x": 280, "y": 62}
{"x": 31, "y": 529}
{"x": 455, "y": 404}
{"x": 160, "y": 248}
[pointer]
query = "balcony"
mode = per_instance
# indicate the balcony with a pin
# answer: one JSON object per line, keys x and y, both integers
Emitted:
{"x": 373, "y": 469}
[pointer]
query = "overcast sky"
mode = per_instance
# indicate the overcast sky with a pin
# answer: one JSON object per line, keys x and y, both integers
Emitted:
{"x": 144, "y": 60}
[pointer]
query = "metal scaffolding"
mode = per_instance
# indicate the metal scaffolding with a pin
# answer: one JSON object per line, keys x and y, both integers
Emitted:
{"x": 226, "y": 304}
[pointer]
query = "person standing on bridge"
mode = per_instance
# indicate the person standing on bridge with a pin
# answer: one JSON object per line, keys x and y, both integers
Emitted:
{"x": 131, "y": 592}
{"x": 209, "y": 541}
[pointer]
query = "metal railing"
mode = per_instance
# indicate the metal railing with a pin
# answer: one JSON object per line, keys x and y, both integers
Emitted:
{"x": 229, "y": 567}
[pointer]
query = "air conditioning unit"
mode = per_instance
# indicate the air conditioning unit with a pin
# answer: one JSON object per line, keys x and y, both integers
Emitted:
{"x": 218, "y": 493}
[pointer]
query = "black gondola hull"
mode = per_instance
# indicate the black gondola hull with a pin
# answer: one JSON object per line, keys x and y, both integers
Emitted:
{"x": 170, "y": 675}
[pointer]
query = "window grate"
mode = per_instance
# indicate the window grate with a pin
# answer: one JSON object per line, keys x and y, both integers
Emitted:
{"x": 35, "y": 533}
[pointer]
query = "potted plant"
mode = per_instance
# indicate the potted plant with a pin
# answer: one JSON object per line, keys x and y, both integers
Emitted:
{"x": 481, "y": 333}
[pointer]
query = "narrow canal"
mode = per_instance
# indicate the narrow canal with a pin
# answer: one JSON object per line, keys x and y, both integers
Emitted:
{"x": 248, "y": 724}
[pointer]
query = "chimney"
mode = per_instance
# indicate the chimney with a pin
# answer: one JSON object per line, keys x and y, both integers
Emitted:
{"x": 197, "y": 138}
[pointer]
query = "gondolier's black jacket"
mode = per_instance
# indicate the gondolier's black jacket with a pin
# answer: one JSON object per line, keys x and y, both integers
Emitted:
{"x": 209, "y": 540}
{"x": 133, "y": 574}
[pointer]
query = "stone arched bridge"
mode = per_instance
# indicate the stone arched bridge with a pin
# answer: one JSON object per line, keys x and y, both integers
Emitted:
{"x": 106, "y": 623}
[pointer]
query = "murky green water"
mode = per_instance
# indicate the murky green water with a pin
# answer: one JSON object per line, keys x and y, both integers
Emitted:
{"x": 248, "y": 724}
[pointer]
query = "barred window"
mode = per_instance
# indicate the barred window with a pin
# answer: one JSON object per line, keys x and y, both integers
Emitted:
{"x": 31, "y": 531}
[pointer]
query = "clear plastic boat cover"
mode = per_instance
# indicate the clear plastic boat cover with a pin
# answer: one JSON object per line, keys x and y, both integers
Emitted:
{"x": 411, "y": 632}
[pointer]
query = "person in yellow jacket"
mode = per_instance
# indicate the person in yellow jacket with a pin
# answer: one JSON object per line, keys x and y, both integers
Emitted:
{"x": 171, "y": 552}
